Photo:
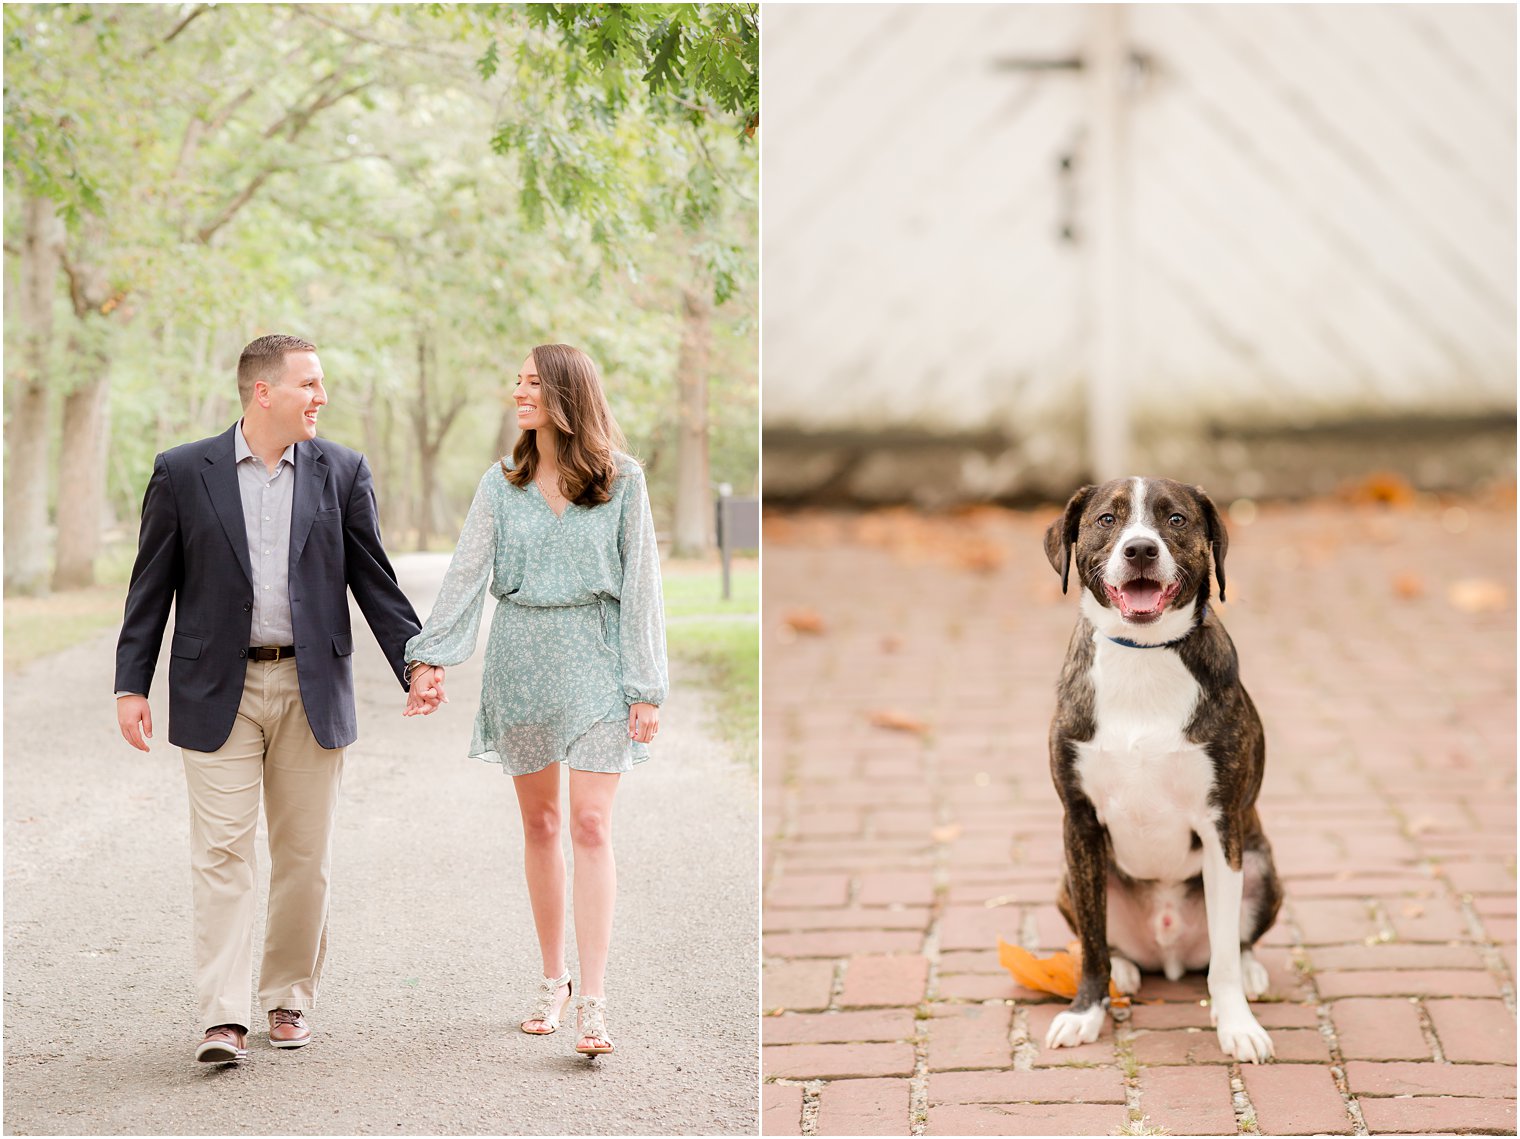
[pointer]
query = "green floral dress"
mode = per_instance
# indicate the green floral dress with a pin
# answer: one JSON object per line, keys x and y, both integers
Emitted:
{"x": 579, "y": 630}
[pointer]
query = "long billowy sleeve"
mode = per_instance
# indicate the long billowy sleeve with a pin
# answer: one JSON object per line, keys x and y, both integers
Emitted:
{"x": 449, "y": 634}
{"x": 642, "y": 606}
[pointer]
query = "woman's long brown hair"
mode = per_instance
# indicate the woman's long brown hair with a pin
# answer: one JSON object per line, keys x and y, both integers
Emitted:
{"x": 572, "y": 397}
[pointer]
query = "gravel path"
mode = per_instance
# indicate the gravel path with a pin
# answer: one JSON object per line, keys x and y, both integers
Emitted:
{"x": 431, "y": 952}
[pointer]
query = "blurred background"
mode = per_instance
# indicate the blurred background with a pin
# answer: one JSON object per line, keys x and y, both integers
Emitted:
{"x": 1010, "y": 249}
{"x": 425, "y": 192}
{"x": 1268, "y": 248}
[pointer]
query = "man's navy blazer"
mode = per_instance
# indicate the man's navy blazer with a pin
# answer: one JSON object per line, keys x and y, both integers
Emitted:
{"x": 193, "y": 552}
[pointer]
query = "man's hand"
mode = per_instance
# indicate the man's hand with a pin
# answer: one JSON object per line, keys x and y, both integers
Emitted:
{"x": 643, "y": 722}
{"x": 426, "y": 692}
{"x": 135, "y": 720}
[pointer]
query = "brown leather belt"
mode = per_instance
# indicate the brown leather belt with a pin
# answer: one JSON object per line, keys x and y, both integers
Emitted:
{"x": 271, "y": 652}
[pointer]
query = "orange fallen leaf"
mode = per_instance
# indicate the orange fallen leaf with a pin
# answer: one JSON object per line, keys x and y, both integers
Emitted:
{"x": 1056, "y": 974}
{"x": 898, "y": 721}
{"x": 1383, "y": 486}
{"x": 804, "y": 621}
{"x": 1408, "y": 586}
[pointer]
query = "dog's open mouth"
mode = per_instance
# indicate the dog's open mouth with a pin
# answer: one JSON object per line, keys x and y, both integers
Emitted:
{"x": 1141, "y": 600}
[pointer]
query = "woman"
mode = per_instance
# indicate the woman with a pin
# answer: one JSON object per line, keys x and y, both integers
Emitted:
{"x": 575, "y": 664}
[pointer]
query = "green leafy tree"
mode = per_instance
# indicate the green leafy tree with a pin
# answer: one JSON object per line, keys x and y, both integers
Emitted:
{"x": 184, "y": 178}
{"x": 641, "y": 92}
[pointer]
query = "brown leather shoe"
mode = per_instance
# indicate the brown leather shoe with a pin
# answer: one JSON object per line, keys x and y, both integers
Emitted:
{"x": 288, "y": 1028}
{"x": 223, "y": 1045}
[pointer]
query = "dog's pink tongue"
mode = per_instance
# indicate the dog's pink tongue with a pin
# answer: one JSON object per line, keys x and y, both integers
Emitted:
{"x": 1141, "y": 596}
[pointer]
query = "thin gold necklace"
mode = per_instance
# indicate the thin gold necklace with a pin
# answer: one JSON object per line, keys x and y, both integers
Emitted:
{"x": 555, "y": 493}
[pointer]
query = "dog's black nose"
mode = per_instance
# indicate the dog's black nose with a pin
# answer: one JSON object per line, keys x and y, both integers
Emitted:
{"x": 1142, "y": 551}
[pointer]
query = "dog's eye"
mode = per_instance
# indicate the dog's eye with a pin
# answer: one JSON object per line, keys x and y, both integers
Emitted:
{"x": 1106, "y": 520}
{"x": 1177, "y": 520}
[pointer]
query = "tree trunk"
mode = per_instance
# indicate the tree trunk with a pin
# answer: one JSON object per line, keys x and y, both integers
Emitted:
{"x": 26, "y": 428}
{"x": 82, "y": 476}
{"x": 427, "y": 465}
{"x": 694, "y": 500}
{"x": 82, "y": 453}
{"x": 394, "y": 508}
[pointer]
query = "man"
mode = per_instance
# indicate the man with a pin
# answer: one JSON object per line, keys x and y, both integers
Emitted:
{"x": 255, "y": 535}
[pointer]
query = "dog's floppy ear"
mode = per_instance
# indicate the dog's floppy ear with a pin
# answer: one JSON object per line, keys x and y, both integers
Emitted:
{"x": 1219, "y": 537}
{"x": 1062, "y": 534}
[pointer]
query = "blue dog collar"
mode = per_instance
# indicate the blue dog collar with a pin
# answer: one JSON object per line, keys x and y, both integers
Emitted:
{"x": 1129, "y": 644}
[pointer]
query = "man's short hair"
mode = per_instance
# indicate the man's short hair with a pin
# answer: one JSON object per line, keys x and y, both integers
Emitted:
{"x": 264, "y": 359}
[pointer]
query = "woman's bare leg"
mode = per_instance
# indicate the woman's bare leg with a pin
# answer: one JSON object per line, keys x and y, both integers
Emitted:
{"x": 544, "y": 864}
{"x": 591, "y": 794}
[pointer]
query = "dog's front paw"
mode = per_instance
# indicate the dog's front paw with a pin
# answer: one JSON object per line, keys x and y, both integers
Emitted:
{"x": 1072, "y": 1028}
{"x": 1243, "y": 1038}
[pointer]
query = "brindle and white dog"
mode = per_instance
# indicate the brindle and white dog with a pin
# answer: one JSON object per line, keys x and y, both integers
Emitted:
{"x": 1158, "y": 754}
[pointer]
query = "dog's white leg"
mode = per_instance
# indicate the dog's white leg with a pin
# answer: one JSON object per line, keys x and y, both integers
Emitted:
{"x": 1253, "y": 975}
{"x": 1240, "y": 1035}
{"x": 1125, "y": 974}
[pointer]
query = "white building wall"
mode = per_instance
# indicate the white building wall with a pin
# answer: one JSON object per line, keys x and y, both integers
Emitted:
{"x": 1321, "y": 223}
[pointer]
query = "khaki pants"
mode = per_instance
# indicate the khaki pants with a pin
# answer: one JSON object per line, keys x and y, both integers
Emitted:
{"x": 271, "y": 745}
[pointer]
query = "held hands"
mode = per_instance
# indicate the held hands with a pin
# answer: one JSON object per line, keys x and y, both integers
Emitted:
{"x": 426, "y": 692}
{"x": 643, "y": 722}
{"x": 135, "y": 720}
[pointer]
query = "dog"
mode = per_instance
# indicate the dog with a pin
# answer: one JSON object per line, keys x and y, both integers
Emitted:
{"x": 1157, "y": 753}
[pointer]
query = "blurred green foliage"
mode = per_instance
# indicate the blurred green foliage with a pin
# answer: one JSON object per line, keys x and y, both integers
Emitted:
{"x": 337, "y": 172}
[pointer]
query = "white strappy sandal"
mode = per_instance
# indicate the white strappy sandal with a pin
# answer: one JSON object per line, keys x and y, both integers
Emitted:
{"x": 592, "y": 1025}
{"x": 547, "y": 1008}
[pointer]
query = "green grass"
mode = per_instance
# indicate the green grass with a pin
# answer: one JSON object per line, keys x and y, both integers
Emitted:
{"x": 695, "y": 589}
{"x": 720, "y": 640}
{"x": 36, "y": 626}
{"x": 726, "y": 658}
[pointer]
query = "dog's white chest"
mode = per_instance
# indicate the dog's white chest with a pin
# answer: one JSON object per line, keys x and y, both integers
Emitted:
{"x": 1148, "y": 783}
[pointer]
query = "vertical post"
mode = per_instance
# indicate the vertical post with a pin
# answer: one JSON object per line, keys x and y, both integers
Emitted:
{"x": 1108, "y": 382}
{"x": 725, "y": 534}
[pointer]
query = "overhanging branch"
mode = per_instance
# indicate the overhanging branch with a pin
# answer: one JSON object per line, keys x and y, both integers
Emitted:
{"x": 245, "y": 195}
{"x": 195, "y": 13}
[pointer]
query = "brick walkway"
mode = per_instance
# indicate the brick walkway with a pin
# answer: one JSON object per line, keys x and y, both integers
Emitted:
{"x": 1379, "y": 644}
